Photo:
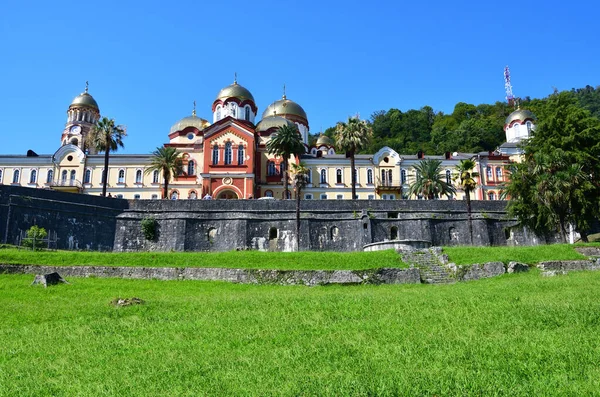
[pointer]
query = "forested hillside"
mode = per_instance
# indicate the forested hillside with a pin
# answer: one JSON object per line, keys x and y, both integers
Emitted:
{"x": 469, "y": 128}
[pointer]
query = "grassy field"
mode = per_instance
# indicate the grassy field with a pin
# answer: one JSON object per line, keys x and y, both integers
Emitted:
{"x": 516, "y": 335}
{"x": 233, "y": 259}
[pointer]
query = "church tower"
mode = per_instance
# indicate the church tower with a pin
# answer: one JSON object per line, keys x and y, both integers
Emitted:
{"x": 83, "y": 113}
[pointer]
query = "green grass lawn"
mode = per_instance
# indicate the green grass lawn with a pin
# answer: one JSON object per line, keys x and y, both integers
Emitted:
{"x": 233, "y": 259}
{"x": 515, "y": 335}
{"x": 465, "y": 255}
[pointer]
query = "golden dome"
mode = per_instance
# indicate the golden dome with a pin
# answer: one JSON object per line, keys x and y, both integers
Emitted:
{"x": 190, "y": 121}
{"x": 273, "y": 122}
{"x": 323, "y": 140}
{"x": 85, "y": 99}
{"x": 235, "y": 91}
{"x": 521, "y": 115}
{"x": 284, "y": 107}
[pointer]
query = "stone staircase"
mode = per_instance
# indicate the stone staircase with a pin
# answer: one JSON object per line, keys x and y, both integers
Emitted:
{"x": 431, "y": 264}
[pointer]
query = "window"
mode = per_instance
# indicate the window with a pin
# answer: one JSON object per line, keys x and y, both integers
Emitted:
{"x": 338, "y": 176}
{"x": 155, "y": 197}
{"x": 488, "y": 170}
{"x": 339, "y": 196}
{"x": 309, "y": 175}
{"x": 215, "y": 154}
{"x": 269, "y": 193}
{"x": 529, "y": 125}
{"x": 389, "y": 176}
{"x": 233, "y": 110}
{"x": 323, "y": 176}
{"x": 121, "y": 176}
{"x": 323, "y": 196}
{"x": 383, "y": 177}
{"x": 174, "y": 195}
{"x": 191, "y": 169}
{"x": 33, "y": 176}
{"x": 371, "y": 197}
{"x": 228, "y": 153}
{"x": 87, "y": 176}
{"x": 369, "y": 176}
{"x": 517, "y": 129}
{"x": 138, "y": 176}
{"x": 120, "y": 196}
{"x": 136, "y": 196}
{"x": 403, "y": 176}
{"x": 247, "y": 114}
{"x": 308, "y": 196}
{"x": 155, "y": 177}
{"x": 241, "y": 153}
{"x": 492, "y": 196}
{"x": 64, "y": 176}
{"x": 392, "y": 197}
{"x": 498, "y": 173}
{"x": 271, "y": 169}
{"x": 448, "y": 177}
{"x": 193, "y": 195}
{"x": 72, "y": 175}
{"x": 50, "y": 176}
{"x": 384, "y": 196}
{"x": 218, "y": 113}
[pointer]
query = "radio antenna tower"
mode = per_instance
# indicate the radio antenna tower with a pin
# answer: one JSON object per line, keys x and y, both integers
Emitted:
{"x": 508, "y": 87}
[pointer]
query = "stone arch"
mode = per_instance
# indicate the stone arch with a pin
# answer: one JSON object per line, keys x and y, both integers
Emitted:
{"x": 394, "y": 233}
{"x": 230, "y": 188}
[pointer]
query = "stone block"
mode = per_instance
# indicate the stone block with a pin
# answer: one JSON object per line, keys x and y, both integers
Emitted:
{"x": 517, "y": 267}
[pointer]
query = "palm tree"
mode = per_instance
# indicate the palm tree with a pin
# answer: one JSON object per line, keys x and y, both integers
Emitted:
{"x": 466, "y": 178}
{"x": 430, "y": 183}
{"x": 300, "y": 180}
{"x": 351, "y": 137}
{"x": 168, "y": 161}
{"x": 286, "y": 142}
{"x": 106, "y": 137}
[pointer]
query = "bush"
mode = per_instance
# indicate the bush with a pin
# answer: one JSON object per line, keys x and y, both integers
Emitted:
{"x": 35, "y": 237}
{"x": 149, "y": 228}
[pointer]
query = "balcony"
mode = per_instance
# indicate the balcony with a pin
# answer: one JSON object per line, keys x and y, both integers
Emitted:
{"x": 66, "y": 185}
{"x": 388, "y": 185}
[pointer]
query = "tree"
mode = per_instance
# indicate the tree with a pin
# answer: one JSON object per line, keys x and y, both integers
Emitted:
{"x": 466, "y": 179}
{"x": 351, "y": 137}
{"x": 286, "y": 143}
{"x": 300, "y": 180}
{"x": 168, "y": 161}
{"x": 105, "y": 136}
{"x": 558, "y": 182}
{"x": 430, "y": 183}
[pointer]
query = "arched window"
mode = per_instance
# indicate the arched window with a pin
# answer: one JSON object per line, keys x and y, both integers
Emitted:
{"x": 488, "y": 170}
{"x": 529, "y": 127}
{"x": 389, "y": 177}
{"x": 383, "y": 177}
{"x": 121, "y": 176}
{"x": 233, "y": 111}
{"x": 16, "y": 176}
{"x": 174, "y": 195}
{"x": 87, "y": 176}
{"x": 33, "y": 176}
{"x": 50, "y": 176}
{"x": 191, "y": 170}
{"x": 492, "y": 196}
{"x": 215, "y": 154}
{"x": 370, "y": 176}
{"x": 271, "y": 170}
{"x": 498, "y": 172}
{"x": 308, "y": 175}
{"x": 138, "y": 176}
{"x": 241, "y": 153}
{"x": 193, "y": 195}
{"x": 448, "y": 177}
{"x": 403, "y": 176}
{"x": 338, "y": 176}
{"x": 517, "y": 129}
{"x": 269, "y": 193}
{"x": 155, "y": 176}
{"x": 247, "y": 115}
{"x": 72, "y": 175}
{"x": 218, "y": 113}
{"x": 64, "y": 175}
{"x": 74, "y": 141}
{"x": 323, "y": 176}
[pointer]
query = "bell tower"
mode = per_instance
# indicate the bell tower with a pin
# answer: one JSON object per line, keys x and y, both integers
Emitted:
{"x": 82, "y": 115}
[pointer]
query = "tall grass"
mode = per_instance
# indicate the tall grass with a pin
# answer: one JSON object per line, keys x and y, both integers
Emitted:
{"x": 531, "y": 255}
{"x": 517, "y": 335}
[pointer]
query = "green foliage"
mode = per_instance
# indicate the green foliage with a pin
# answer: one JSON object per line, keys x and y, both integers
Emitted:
{"x": 351, "y": 137}
{"x": 430, "y": 183}
{"x": 149, "y": 228}
{"x": 105, "y": 137}
{"x": 168, "y": 161}
{"x": 468, "y": 255}
{"x": 34, "y": 237}
{"x": 512, "y": 336}
{"x": 286, "y": 143}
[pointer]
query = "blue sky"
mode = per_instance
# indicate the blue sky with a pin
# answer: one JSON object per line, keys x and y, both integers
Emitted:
{"x": 148, "y": 61}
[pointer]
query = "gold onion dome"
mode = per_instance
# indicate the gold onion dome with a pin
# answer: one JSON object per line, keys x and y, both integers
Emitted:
{"x": 323, "y": 140}
{"x": 85, "y": 99}
{"x": 521, "y": 115}
{"x": 235, "y": 91}
{"x": 273, "y": 122}
{"x": 190, "y": 121}
{"x": 284, "y": 107}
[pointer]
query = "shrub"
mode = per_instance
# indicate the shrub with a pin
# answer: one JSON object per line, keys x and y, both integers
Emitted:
{"x": 149, "y": 228}
{"x": 34, "y": 237}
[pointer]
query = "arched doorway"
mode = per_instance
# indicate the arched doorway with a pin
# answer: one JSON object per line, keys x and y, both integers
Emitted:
{"x": 227, "y": 195}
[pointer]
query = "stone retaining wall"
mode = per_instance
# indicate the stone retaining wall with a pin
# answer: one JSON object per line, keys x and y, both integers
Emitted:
{"x": 246, "y": 276}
